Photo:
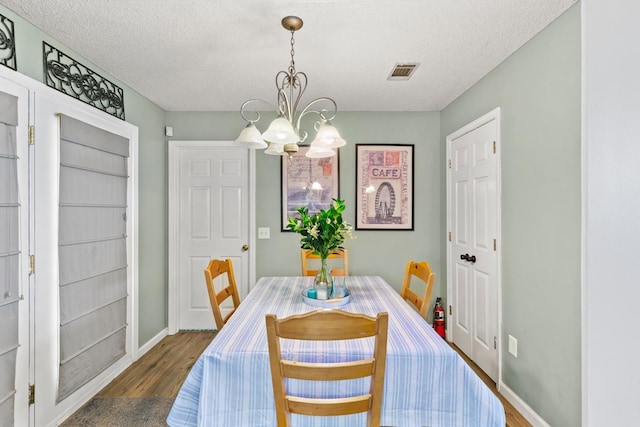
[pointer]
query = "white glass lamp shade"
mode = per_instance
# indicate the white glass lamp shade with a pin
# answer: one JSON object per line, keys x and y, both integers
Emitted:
{"x": 275, "y": 149}
{"x": 281, "y": 132}
{"x": 317, "y": 152}
{"x": 251, "y": 137}
{"x": 328, "y": 137}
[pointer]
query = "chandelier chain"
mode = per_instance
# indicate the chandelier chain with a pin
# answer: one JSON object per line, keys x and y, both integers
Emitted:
{"x": 292, "y": 67}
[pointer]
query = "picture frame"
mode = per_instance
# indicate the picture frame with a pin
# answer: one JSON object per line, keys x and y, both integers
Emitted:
{"x": 384, "y": 186}
{"x": 309, "y": 182}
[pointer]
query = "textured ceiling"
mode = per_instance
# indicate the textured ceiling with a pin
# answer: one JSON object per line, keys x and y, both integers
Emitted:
{"x": 211, "y": 55}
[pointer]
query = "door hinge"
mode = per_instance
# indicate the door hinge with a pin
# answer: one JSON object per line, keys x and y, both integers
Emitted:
{"x": 495, "y": 343}
{"x": 449, "y": 163}
{"x": 32, "y": 135}
{"x": 449, "y": 236}
{"x": 495, "y": 245}
{"x": 450, "y": 311}
{"x": 32, "y": 394}
{"x": 32, "y": 264}
{"x": 494, "y": 147}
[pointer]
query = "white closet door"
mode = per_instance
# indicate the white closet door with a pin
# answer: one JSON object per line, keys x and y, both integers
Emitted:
{"x": 14, "y": 250}
{"x": 473, "y": 218}
{"x": 51, "y": 404}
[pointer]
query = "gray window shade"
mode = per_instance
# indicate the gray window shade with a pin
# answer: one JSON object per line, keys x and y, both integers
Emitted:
{"x": 93, "y": 252}
{"x": 8, "y": 109}
{"x": 9, "y": 255}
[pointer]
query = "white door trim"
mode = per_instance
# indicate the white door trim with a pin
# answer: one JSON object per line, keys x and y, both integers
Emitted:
{"x": 173, "y": 291}
{"x": 492, "y": 115}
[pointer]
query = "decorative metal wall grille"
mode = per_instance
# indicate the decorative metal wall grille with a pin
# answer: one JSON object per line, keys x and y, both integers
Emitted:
{"x": 67, "y": 75}
{"x": 7, "y": 43}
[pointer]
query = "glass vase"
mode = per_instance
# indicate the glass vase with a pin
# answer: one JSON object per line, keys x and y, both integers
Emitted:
{"x": 322, "y": 282}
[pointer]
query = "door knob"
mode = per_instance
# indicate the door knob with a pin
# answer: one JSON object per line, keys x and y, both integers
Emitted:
{"x": 469, "y": 258}
{"x": 245, "y": 248}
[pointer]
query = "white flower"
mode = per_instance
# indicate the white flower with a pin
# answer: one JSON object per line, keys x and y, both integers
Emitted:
{"x": 347, "y": 231}
{"x": 313, "y": 231}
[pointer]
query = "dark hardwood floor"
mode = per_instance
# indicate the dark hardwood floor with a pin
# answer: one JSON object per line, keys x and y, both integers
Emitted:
{"x": 161, "y": 372}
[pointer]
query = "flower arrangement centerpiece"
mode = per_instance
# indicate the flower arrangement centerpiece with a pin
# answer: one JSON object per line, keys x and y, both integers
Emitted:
{"x": 323, "y": 233}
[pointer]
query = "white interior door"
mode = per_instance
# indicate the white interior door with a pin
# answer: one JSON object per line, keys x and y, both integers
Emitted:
{"x": 49, "y": 408}
{"x": 212, "y": 222}
{"x": 14, "y": 406}
{"x": 473, "y": 219}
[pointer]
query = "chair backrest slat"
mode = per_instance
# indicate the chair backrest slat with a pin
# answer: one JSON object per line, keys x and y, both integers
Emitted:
{"x": 328, "y": 371}
{"x": 319, "y": 407}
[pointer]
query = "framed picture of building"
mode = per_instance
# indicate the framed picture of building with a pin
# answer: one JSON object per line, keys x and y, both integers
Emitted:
{"x": 384, "y": 187}
{"x": 312, "y": 183}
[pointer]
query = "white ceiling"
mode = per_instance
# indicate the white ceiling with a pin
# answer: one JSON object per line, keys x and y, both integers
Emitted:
{"x": 212, "y": 55}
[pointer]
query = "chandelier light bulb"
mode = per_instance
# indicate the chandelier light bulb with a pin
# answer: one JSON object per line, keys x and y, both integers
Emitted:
{"x": 275, "y": 149}
{"x": 251, "y": 137}
{"x": 328, "y": 137}
{"x": 281, "y": 132}
{"x": 316, "y": 152}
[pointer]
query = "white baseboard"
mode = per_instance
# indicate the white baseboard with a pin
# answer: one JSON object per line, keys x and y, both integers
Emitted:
{"x": 150, "y": 344}
{"x": 526, "y": 411}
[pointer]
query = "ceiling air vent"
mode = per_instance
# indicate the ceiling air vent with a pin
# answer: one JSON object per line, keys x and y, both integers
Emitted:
{"x": 403, "y": 71}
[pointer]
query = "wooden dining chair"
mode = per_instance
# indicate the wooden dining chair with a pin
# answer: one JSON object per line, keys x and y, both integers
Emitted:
{"x": 327, "y": 325}
{"x": 215, "y": 269}
{"x": 307, "y": 254}
{"x": 423, "y": 271}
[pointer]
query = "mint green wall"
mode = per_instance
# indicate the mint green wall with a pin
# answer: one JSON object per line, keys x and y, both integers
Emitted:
{"x": 152, "y": 155}
{"x": 538, "y": 90}
{"x": 382, "y": 253}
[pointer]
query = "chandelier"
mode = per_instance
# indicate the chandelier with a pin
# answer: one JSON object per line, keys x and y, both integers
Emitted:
{"x": 284, "y": 134}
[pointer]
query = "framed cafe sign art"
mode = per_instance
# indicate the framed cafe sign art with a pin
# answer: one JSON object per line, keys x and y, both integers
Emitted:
{"x": 384, "y": 187}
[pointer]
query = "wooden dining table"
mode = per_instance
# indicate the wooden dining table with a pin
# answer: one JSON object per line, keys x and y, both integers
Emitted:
{"x": 426, "y": 382}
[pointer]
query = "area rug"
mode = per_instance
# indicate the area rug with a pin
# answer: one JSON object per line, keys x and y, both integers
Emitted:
{"x": 122, "y": 412}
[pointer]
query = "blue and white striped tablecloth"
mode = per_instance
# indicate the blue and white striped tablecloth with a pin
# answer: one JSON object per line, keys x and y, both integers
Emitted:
{"x": 426, "y": 382}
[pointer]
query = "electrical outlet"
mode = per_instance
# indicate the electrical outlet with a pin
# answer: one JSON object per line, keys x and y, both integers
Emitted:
{"x": 264, "y": 233}
{"x": 513, "y": 346}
